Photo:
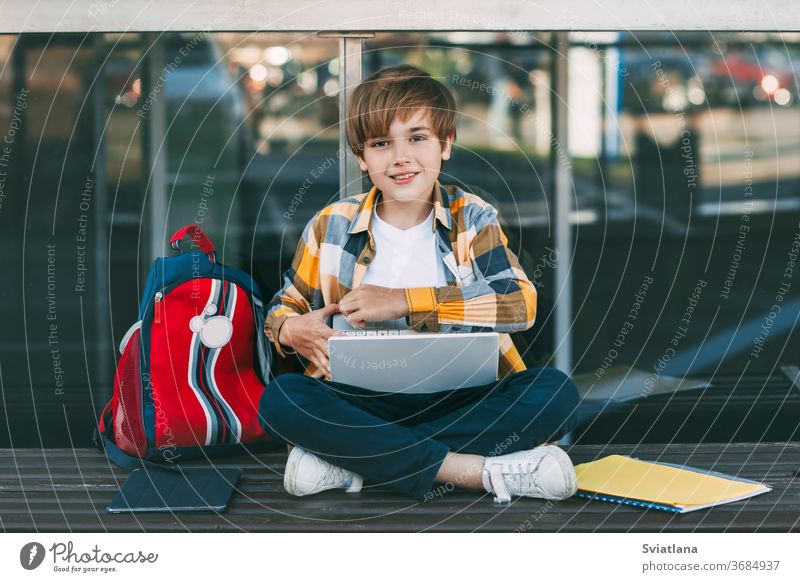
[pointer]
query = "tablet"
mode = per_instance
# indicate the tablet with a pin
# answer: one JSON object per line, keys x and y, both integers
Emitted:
{"x": 179, "y": 489}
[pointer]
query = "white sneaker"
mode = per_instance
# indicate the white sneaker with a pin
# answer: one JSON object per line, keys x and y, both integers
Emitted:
{"x": 307, "y": 474}
{"x": 544, "y": 472}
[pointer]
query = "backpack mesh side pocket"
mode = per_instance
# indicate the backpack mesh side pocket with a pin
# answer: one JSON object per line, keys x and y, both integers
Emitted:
{"x": 128, "y": 423}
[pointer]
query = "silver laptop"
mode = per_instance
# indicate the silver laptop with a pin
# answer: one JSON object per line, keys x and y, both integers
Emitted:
{"x": 388, "y": 357}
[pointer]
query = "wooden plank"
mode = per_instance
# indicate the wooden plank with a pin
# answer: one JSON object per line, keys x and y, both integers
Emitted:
{"x": 86, "y": 455}
{"x": 786, "y": 493}
{"x": 465, "y": 522}
{"x": 25, "y": 481}
{"x": 631, "y": 520}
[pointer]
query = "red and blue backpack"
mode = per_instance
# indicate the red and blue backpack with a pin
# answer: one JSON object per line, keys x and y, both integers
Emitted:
{"x": 193, "y": 367}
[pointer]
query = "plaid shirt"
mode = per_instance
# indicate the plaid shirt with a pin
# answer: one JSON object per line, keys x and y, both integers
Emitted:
{"x": 486, "y": 290}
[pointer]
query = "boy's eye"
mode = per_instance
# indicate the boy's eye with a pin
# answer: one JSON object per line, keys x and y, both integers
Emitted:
{"x": 383, "y": 142}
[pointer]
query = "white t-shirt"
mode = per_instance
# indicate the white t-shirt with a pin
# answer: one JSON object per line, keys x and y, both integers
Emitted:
{"x": 404, "y": 258}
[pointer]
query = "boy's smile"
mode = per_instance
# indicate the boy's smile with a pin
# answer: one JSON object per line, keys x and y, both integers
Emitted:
{"x": 405, "y": 165}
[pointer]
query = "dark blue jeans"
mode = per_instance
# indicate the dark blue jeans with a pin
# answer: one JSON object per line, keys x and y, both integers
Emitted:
{"x": 400, "y": 440}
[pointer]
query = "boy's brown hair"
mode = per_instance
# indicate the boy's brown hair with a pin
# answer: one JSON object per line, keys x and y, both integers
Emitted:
{"x": 397, "y": 91}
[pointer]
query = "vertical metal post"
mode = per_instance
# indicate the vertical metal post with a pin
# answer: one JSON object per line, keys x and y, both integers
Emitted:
{"x": 562, "y": 182}
{"x": 18, "y": 63}
{"x": 155, "y": 143}
{"x": 351, "y": 47}
{"x": 101, "y": 258}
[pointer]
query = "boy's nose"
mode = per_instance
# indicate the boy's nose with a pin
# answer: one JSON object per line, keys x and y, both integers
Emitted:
{"x": 401, "y": 154}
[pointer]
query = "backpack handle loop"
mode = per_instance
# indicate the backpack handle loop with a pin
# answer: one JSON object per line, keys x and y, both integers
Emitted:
{"x": 199, "y": 238}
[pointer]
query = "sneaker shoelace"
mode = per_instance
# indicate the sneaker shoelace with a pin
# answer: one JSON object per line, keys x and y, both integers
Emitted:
{"x": 337, "y": 476}
{"x": 520, "y": 476}
{"x": 332, "y": 475}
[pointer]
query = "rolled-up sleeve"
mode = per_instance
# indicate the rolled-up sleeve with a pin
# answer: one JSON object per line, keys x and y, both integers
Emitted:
{"x": 503, "y": 299}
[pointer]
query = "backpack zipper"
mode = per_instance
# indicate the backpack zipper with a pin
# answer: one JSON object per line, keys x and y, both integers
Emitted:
{"x": 157, "y": 315}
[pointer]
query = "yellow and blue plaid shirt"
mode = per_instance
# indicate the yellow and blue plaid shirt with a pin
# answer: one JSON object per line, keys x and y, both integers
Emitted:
{"x": 486, "y": 289}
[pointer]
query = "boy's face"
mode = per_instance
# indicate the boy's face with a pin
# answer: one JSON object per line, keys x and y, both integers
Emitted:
{"x": 405, "y": 164}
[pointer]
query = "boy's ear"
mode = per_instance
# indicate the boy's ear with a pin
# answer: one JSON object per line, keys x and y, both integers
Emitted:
{"x": 360, "y": 157}
{"x": 447, "y": 147}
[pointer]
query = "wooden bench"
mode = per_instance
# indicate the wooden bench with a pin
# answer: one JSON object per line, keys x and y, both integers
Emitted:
{"x": 69, "y": 489}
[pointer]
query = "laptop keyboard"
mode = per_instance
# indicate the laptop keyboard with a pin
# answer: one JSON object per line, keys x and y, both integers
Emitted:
{"x": 380, "y": 332}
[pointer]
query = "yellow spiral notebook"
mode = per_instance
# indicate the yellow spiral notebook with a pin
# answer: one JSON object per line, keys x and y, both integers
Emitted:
{"x": 648, "y": 484}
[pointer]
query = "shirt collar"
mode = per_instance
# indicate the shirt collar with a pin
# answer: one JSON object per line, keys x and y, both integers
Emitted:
{"x": 363, "y": 219}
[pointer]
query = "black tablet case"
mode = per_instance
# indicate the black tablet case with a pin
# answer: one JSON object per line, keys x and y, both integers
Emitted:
{"x": 180, "y": 489}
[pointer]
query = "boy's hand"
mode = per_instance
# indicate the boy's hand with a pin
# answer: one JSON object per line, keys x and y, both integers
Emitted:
{"x": 308, "y": 336}
{"x": 373, "y": 303}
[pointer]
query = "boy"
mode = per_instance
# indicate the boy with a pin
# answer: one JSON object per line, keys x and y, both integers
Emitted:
{"x": 435, "y": 255}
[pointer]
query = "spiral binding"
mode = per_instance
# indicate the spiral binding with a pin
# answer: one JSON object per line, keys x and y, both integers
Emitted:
{"x": 629, "y": 501}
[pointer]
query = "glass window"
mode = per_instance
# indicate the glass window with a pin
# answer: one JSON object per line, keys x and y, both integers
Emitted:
{"x": 688, "y": 158}
{"x": 289, "y": 85}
